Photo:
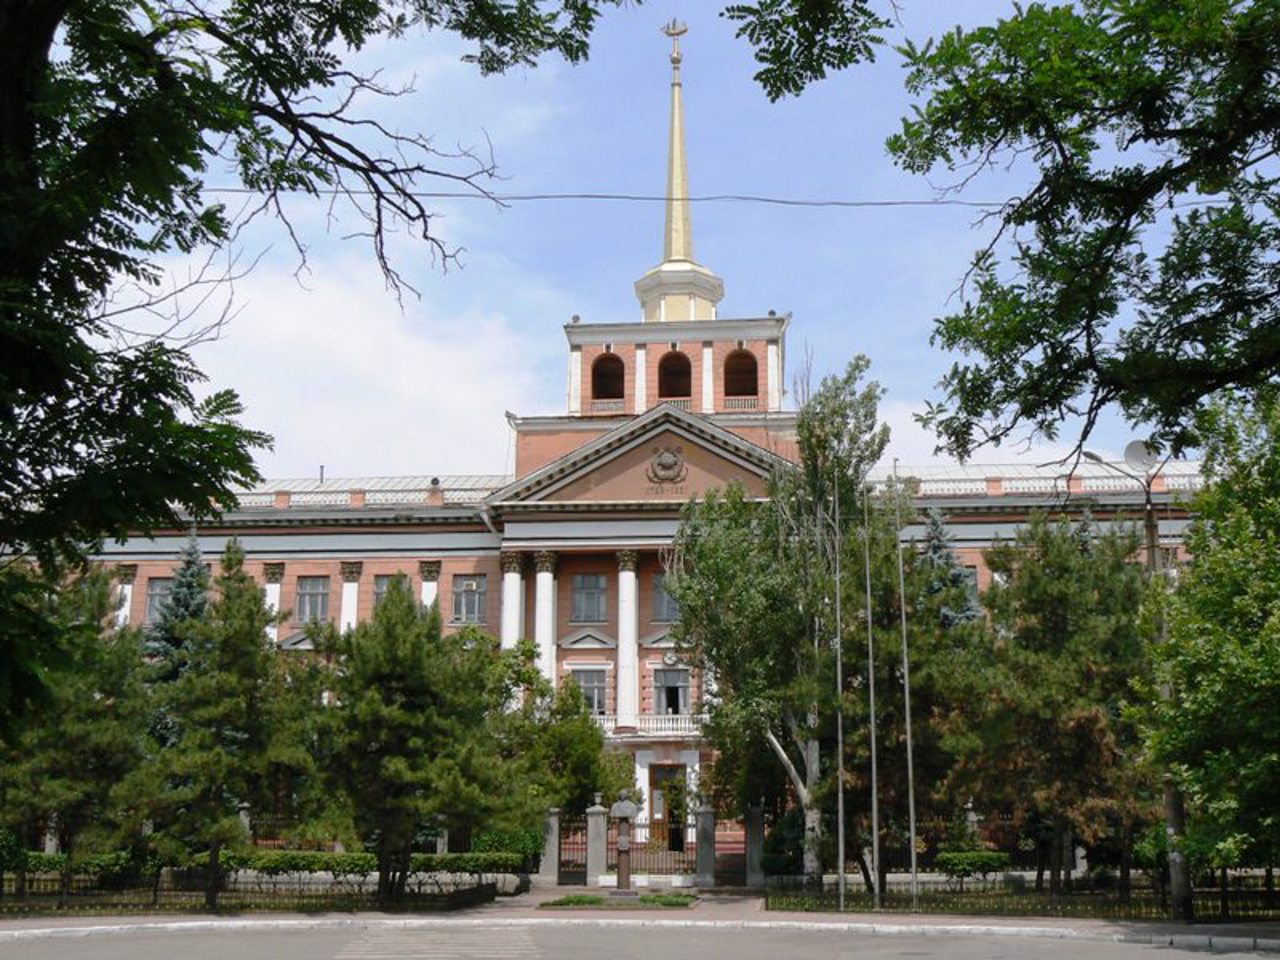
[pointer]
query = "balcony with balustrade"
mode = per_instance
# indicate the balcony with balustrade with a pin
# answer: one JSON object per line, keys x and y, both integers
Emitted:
{"x": 687, "y": 726}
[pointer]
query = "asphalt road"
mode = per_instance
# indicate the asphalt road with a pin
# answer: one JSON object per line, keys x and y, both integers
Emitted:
{"x": 553, "y": 942}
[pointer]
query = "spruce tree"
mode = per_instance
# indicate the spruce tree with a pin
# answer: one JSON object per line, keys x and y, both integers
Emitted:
{"x": 218, "y": 703}
{"x": 187, "y": 601}
{"x": 948, "y": 588}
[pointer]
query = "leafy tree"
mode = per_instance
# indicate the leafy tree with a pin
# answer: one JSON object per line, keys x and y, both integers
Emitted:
{"x": 413, "y": 745}
{"x": 63, "y": 770}
{"x": 1036, "y": 726}
{"x": 220, "y": 705}
{"x": 1139, "y": 268}
{"x": 754, "y": 584}
{"x": 1221, "y": 664}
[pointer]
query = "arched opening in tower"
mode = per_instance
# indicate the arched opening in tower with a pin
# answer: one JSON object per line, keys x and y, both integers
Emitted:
{"x": 675, "y": 376}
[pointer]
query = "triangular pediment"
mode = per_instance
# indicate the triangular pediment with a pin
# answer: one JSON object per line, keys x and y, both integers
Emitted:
{"x": 658, "y": 640}
{"x": 588, "y": 639}
{"x": 664, "y": 455}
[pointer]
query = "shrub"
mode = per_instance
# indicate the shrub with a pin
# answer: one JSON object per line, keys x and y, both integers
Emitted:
{"x": 961, "y": 864}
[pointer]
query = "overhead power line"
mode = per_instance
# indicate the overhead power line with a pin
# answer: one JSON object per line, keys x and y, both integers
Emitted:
{"x": 649, "y": 198}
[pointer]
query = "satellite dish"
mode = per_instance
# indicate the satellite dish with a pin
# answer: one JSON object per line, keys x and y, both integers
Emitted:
{"x": 1139, "y": 456}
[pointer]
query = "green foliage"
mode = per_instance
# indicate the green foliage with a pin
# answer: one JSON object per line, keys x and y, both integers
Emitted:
{"x": 1037, "y": 700}
{"x": 1136, "y": 268}
{"x": 577, "y": 900}
{"x": 1217, "y": 730}
{"x": 948, "y": 588}
{"x": 798, "y": 41}
{"x": 963, "y": 864}
{"x": 755, "y": 584}
{"x": 221, "y": 708}
{"x": 413, "y": 729}
{"x": 668, "y": 899}
{"x": 65, "y": 768}
{"x": 526, "y": 842}
{"x": 187, "y": 600}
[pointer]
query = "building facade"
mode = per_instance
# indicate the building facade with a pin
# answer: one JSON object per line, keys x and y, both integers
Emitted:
{"x": 567, "y": 551}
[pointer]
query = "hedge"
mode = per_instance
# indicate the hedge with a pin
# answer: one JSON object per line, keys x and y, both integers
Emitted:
{"x": 961, "y": 864}
{"x": 279, "y": 862}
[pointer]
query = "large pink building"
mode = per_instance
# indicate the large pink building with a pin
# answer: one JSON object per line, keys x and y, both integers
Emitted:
{"x": 567, "y": 551}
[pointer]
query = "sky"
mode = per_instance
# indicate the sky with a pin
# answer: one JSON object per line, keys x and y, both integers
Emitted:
{"x": 344, "y": 374}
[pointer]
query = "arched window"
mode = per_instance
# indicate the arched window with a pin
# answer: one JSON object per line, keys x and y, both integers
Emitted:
{"x": 608, "y": 377}
{"x": 740, "y": 378}
{"x": 675, "y": 376}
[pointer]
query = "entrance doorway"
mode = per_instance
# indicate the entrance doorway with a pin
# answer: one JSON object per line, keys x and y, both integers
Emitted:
{"x": 668, "y": 805}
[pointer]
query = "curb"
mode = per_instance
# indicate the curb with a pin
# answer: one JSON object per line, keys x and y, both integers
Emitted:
{"x": 1179, "y": 941}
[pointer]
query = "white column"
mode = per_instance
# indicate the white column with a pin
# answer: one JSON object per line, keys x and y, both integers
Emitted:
{"x": 350, "y": 595}
{"x": 708, "y": 379}
{"x": 643, "y": 759}
{"x": 544, "y": 612}
{"x": 126, "y": 574}
{"x": 512, "y": 599}
{"x": 774, "y": 367}
{"x": 628, "y": 679}
{"x": 430, "y": 573}
{"x": 273, "y": 573}
{"x": 575, "y": 380}
{"x": 641, "y": 379}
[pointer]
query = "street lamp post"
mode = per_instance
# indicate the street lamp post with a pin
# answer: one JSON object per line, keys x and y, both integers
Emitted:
{"x": 1174, "y": 811}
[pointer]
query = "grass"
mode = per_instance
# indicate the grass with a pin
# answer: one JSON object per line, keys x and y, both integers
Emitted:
{"x": 664, "y": 901}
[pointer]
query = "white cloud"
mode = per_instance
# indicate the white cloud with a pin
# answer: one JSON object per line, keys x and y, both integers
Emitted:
{"x": 341, "y": 377}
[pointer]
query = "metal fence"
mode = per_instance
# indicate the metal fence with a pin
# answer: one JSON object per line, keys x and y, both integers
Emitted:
{"x": 660, "y": 848}
{"x": 1247, "y": 895}
{"x": 571, "y": 868}
{"x": 245, "y": 891}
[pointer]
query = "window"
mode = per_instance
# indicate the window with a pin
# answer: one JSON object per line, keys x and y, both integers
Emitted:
{"x": 590, "y": 598}
{"x": 675, "y": 376}
{"x": 158, "y": 589}
{"x": 608, "y": 378}
{"x": 671, "y": 692}
{"x": 740, "y": 374}
{"x": 469, "y": 598}
{"x": 312, "y": 602}
{"x": 665, "y": 608}
{"x": 594, "y": 685}
{"x": 382, "y": 583}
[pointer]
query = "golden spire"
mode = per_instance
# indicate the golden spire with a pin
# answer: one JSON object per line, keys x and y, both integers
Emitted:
{"x": 678, "y": 240}
{"x": 678, "y": 288}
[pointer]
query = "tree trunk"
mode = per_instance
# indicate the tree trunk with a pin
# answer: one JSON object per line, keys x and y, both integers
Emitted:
{"x": 1055, "y": 860}
{"x": 1270, "y": 882}
{"x": 1042, "y": 852}
{"x": 1126, "y": 862}
{"x": 64, "y": 875}
{"x": 213, "y": 878}
{"x": 812, "y": 845}
{"x": 866, "y": 873}
{"x": 1224, "y": 906}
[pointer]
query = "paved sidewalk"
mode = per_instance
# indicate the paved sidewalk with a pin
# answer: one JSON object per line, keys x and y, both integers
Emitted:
{"x": 725, "y": 911}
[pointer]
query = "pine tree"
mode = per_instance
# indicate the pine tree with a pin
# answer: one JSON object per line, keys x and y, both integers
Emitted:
{"x": 63, "y": 770}
{"x": 187, "y": 601}
{"x": 414, "y": 743}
